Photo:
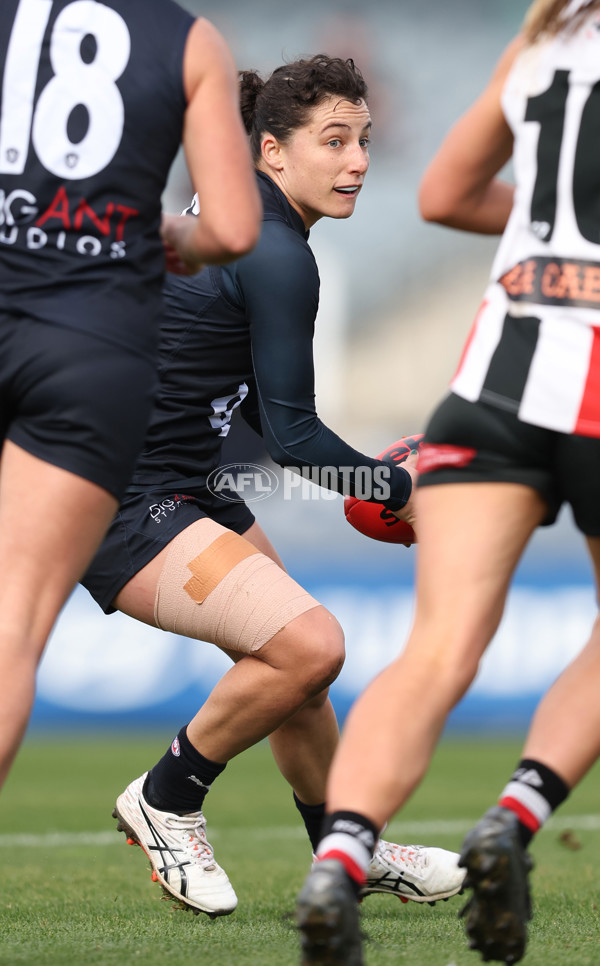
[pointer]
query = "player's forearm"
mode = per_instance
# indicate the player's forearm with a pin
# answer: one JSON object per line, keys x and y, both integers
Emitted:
{"x": 484, "y": 210}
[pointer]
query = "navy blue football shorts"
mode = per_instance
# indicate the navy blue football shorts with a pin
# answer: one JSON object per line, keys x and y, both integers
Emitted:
{"x": 74, "y": 400}
{"x": 145, "y": 524}
{"x": 486, "y": 444}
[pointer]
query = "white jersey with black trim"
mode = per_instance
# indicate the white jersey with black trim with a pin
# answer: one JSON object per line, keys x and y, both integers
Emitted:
{"x": 535, "y": 345}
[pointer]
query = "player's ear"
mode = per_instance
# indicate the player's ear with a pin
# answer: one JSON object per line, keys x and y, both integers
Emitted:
{"x": 271, "y": 152}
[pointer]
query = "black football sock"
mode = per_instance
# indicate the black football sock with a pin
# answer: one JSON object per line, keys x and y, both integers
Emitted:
{"x": 180, "y": 780}
{"x": 533, "y": 793}
{"x": 351, "y": 839}
{"x": 312, "y": 816}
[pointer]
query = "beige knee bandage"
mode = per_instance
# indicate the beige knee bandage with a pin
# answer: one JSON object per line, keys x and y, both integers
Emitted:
{"x": 216, "y": 586}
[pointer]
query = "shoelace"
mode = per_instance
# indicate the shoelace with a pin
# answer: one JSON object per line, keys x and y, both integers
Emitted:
{"x": 413, "y": 856}
{"x": 194, "y": 825}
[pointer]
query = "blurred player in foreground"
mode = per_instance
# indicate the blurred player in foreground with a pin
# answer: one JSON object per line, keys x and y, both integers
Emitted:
{"x": 517, "y": 436}
{"x": 95, "y": 97}
{"x": 192, "y": 560}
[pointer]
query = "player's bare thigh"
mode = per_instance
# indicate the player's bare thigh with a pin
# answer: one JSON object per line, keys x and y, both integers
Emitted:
{"x": 471, "y": 536}
{"x": 51, "y": 522}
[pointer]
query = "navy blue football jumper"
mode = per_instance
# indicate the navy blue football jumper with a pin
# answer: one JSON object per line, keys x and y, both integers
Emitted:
{"x": 92, "y": 115}
{"x": 93, "y": 105}
{"x": 235, "y": 335}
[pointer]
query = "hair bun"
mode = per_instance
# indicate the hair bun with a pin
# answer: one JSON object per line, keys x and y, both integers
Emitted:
{"x": 251, "y": 84}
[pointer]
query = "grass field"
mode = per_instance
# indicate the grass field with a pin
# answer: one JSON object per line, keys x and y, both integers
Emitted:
{"x": 73, "y": 893}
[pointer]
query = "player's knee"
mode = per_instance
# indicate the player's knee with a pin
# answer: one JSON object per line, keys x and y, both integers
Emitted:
{"x": 445, "y": 658}
{"x": 455, "y": 672}
{"x": 326, "y": 652}
{"x": 462, "y": 677}
{"x": 313, "y": 645}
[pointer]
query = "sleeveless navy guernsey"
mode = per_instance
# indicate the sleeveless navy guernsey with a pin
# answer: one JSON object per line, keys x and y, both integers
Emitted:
{"x": 91, "y": 119}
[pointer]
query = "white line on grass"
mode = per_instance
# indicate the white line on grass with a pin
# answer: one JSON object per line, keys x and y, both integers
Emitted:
{"x": 401, "y": 831}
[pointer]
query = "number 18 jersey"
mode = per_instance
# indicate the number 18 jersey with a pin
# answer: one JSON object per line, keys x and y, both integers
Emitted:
{"x": 91, "y": 114}
{"x": 535, "y": 346}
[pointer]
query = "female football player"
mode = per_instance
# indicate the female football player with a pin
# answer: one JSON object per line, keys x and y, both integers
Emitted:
{"x": 517, "y": 436}
{"x": 95, "y": 101}
{"x": 196, "y": 563}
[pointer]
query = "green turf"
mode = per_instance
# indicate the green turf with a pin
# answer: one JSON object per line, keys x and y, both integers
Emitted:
{"x": 72, "y": 904}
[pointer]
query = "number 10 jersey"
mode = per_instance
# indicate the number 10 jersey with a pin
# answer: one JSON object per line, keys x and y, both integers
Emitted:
{"x": 534, "y": 349}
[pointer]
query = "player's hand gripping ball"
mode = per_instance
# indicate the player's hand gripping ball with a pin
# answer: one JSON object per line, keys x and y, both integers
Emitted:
{"x": 373, "y": 519}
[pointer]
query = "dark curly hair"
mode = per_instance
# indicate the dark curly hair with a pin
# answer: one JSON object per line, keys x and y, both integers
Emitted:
{"x": 283, "y": 102}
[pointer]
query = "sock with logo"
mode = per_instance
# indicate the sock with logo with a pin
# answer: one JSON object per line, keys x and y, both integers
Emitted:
{"x": 313, "y": 816}
{"x": 350, "y": 838}
{"x": 533, "y": 793}
{"x": 180, "y": 780}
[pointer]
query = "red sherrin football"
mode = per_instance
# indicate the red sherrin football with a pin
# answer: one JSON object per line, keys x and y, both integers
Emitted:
{"x": 373, "y": 519}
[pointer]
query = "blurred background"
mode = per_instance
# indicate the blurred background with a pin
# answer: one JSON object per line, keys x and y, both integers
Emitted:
{"x": 397, "y": 300}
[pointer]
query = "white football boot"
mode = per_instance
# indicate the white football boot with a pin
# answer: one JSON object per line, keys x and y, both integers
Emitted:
{"x": 414, "y": 872}
{"x": 182, "y": 859}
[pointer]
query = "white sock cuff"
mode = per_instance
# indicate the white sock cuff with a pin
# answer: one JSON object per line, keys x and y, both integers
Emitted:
{"x": 351, "y": 846}
{"x": 529, "y": 798}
